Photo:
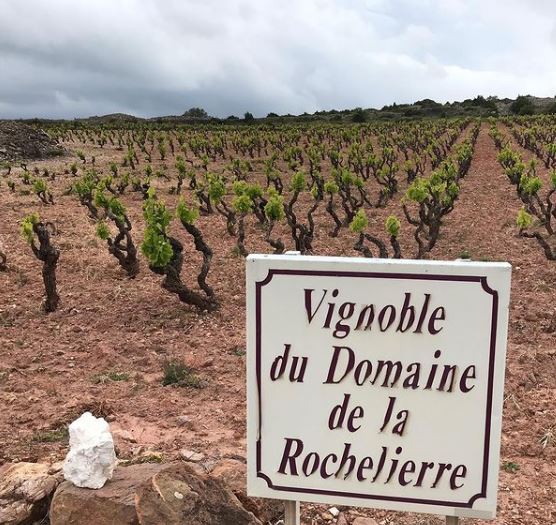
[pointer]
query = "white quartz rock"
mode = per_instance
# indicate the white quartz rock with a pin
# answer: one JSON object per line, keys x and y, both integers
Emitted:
{"x": 91, "y": 459}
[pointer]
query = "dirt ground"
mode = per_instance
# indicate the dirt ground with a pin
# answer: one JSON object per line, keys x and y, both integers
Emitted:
{"x": 53, "y": 367}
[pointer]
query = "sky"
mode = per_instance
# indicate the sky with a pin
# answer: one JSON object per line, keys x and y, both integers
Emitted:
{"x": 77, "y": 58}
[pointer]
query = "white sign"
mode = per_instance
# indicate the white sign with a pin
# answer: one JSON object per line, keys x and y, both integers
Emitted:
{"x": 376, "y": 383}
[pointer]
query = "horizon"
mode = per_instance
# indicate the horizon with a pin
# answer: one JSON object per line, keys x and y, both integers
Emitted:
{"x": 293, "y": 115}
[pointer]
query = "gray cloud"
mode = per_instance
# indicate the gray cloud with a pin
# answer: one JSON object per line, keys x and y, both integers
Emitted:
{"x": 63, "y": 58}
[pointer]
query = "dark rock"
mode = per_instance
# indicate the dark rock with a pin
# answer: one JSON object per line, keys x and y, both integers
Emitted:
{"x": 233, "y": 472}
{"x": 152, "y": 494}
{"x": 113, "y": 504}
{"x": 182, "y": 494}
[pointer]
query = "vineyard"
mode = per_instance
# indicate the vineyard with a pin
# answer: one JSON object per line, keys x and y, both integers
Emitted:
{"x": 122, "y": 270}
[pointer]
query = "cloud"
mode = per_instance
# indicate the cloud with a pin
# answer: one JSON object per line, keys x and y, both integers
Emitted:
{"x": 63, "y": 58}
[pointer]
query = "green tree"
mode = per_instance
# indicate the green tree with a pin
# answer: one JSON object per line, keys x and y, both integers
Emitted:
{"x": 551, "y": 110}
{"x": 359, "y": 115}
{"x": 522, "y": 106}
{"x": 196, "y": 113}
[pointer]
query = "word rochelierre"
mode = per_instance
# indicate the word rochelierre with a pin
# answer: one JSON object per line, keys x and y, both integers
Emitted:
{"x": 384, "y": 468}
{"x": 385, "y": 465}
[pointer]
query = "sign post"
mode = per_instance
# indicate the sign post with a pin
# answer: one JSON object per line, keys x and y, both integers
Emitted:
{"x": 292, "y": 515}
{"x": 376, "y": 383}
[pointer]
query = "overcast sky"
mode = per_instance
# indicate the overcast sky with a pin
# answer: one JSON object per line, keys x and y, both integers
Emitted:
{"x": 73, "y": 58}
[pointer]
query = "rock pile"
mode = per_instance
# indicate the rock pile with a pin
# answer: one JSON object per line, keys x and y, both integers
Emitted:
{"x": 20, "y": 141}
{"x": 207, "y": 492}
{"x": 151, "y": 494}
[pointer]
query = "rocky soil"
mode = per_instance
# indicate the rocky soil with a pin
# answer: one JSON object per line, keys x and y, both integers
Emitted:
{"x": 23, "y": 142}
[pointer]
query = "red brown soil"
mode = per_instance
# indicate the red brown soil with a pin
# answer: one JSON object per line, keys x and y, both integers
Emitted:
{"x": 106, "y": 323}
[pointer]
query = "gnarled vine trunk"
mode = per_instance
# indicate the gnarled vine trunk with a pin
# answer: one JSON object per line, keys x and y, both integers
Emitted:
{"x": 122, "y": 246}
{"x": 49, "y": 255}
{"x": 172, "y": 278}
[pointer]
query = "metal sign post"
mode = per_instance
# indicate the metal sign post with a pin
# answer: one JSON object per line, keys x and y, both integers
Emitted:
{"x": 292, "y": 513}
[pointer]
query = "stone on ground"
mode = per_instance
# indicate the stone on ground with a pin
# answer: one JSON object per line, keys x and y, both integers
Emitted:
{"x": 364, "y": 521}
{"x": 152, "y": 494}
{"x": 182, "y": 494}
{"x": 25, "y": 490}
{"x": 233, "y": 472}
{"x": 91, "y": 459}
{"x": 113, "y": 504}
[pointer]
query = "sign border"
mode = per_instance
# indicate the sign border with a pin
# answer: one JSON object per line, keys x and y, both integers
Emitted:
{"x": 482, "y": 280}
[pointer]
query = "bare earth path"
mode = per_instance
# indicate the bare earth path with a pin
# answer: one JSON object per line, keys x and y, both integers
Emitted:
{"x": 483, "y": 223}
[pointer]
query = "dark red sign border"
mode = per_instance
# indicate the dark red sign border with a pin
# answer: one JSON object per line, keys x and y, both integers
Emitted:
{"x": 408, "y": 276}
